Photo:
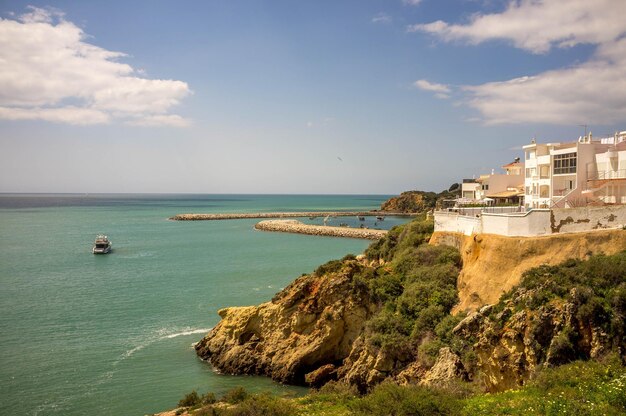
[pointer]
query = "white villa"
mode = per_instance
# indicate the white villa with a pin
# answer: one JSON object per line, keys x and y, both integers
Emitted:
{"x": 565, "y": 187}
{"x": 496, "y": 187}
{"x": 567, "y": 175}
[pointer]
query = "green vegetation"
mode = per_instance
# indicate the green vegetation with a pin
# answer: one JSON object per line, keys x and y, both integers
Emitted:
{"x": 578, "y": 388}
{"x": 581, "y": 388}
{"x": 391, "y": 399}
{"x": 597, "y": 290}
{"x": 414, "y": 285}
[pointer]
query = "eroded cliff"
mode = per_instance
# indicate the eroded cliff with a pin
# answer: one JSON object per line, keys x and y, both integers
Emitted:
{"x": 493, "y": 264}
{"x": 302, "y": 335}
{"x": 386, "y": 315}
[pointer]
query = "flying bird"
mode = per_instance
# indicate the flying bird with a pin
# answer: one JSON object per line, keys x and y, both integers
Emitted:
{"x": 340, "y": 159}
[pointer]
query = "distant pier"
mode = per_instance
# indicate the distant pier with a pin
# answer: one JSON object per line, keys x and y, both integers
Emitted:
{"x": 293, "y": 226}
{"x": 237, "y": 216}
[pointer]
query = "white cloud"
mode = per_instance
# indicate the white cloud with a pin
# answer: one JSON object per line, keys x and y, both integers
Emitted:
{"x": 381, "y": 18}
{"x": 592, "y": 91}
{"x": 537, "y": 25}
{"x": 440, "y": 90}
{"x": 412, "y": 2}
{"x": 68, "y": 115}
{"x": 48, "y": 72}
{"x": 161, "y": 120}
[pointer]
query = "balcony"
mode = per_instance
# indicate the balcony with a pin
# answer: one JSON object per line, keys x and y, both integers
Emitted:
{"x": 602, "y": 178}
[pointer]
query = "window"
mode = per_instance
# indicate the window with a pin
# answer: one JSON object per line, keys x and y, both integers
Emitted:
{"x": 485, "y": 187}
{"x": 565, "y": 163}
{"x": 528, "y": 190}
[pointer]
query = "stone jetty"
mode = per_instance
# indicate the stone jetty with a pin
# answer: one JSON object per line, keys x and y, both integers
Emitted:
{"x": 236, "y": 216}
{"x": 293, "y": 226}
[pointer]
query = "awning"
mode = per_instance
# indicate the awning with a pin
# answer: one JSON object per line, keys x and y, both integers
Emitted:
{"x": 506, "y": 194}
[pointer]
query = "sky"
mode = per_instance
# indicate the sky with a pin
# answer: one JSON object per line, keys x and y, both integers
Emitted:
{"x": 308, "y": 97}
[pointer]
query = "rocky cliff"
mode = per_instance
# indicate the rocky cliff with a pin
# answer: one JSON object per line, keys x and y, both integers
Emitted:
{"x": 558, "y": 314}
{"x": 386, "y": 315}
{"x": 493, "y": 264}
{"x": 301, "y": 336}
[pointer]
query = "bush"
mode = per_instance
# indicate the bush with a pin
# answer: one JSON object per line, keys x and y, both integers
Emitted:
{"x": 262, "y": 405}
{"x": 235, "y": 395}
{"x": 391, "y": 399}
{"x": 190, "y": 399}
{"x": 332, "y": 266}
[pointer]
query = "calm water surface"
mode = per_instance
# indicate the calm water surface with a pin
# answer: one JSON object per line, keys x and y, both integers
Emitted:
{"x": 113, "y": 335}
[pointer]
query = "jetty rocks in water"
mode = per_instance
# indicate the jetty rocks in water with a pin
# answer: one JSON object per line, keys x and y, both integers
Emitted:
{"x": 300, "y": 337}
{"x": 253, "y": 215}
{"x": 293, "y": 226}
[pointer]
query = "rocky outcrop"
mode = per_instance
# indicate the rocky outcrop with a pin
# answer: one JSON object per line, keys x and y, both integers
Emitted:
{"x": 297, "y": 227}
{"x": 303, "y": 334}
{"x": 493, "y": 264}
{"x": 410, "y": 201}
{"x": 511, "y": 344}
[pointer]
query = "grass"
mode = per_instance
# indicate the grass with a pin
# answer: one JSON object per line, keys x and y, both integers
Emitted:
{"x": 580, "y": 388}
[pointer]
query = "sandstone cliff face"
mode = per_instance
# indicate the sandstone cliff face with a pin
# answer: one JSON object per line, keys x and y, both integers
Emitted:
{"x": 511, "y": 344}
{"x": 302, "y": 335}
{"x": 313, "y": 332}
{"x": 493, "y": 264}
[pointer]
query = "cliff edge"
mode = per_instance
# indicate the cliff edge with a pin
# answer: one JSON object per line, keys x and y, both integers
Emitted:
{"x": 493, "y": 264}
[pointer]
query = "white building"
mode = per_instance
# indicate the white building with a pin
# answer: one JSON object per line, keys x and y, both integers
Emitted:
{"x": 567, "y": 175}
{"x": 567, "y": 187}
{"x": 495, "y": 187}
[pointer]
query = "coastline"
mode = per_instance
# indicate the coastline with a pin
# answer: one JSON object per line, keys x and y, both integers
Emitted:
{"x": 297, "y": 227}
{"x": 254, "y": 215}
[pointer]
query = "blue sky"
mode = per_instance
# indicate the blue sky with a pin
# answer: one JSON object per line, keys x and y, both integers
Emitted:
{"x": 296, "y": 97}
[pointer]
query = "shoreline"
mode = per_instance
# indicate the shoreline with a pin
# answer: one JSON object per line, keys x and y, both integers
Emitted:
{"x": 297, "y": 227}
{"x": 253, "y": 215}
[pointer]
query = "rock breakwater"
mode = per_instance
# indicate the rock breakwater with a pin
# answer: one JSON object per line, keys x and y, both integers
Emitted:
{"x": 253, "y": 215}
{"x": 293, "y": 226}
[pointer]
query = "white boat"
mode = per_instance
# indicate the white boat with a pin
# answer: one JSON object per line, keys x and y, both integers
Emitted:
{"x": 102, "y": 245}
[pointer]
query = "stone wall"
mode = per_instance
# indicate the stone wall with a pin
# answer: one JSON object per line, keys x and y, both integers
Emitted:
{"x": 536, "y": 222}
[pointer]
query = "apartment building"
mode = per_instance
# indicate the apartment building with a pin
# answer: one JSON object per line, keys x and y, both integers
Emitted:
{"x": 567, "y": 175}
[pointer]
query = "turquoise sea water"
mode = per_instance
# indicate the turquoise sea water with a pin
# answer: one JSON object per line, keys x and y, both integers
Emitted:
{"x": 112, "y": 335}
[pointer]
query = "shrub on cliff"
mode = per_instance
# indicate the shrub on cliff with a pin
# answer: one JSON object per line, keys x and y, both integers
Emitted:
{"x": 412, "y": 234}
{"x": 417, "y": 295}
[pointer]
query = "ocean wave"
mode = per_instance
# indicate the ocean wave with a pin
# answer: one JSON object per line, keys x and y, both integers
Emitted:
{"x": 189, "y": 332}
{"x": 163, "y": 334}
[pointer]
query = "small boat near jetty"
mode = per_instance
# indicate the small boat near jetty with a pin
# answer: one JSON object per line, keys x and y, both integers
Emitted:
{"x": 102, "y": 245}
{"x": 380, "y": 218}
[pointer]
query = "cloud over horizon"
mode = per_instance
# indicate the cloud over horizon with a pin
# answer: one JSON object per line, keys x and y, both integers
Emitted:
{"x": 593, "y": 91}
{"x": 49, "y": 72}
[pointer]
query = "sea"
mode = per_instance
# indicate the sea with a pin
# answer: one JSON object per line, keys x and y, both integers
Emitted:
{"x": 113, "y": 334}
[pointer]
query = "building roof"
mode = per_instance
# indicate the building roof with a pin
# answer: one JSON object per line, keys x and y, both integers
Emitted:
{"x": 512, "y": 165}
